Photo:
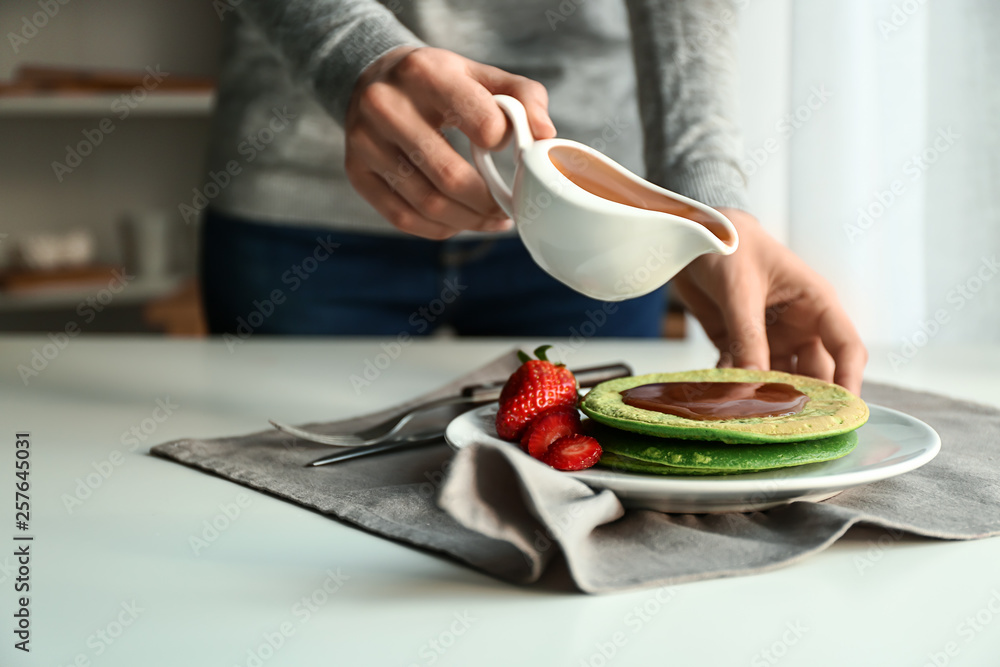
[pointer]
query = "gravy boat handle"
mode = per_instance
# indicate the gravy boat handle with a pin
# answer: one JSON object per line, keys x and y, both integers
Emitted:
{"x": 523, "y": 139}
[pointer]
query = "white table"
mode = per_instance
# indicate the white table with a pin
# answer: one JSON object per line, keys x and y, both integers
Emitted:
{"x": 858, "y": 603}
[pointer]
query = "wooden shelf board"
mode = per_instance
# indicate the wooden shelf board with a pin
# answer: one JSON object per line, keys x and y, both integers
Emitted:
{"x": 156, "y": 104}
{"x": 140, "y": 290}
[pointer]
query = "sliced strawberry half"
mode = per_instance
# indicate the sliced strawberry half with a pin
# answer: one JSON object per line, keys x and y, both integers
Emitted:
{"x": 573, "y": 452}
{"x": 548, "y": 427}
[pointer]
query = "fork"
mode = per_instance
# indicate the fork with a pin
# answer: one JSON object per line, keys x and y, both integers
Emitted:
{"x": 382, "y": 431}
{"x": 472, "y": 396}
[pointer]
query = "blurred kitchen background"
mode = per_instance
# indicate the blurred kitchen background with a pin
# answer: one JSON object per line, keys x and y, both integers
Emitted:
{"x": 119, "y": 205}
{"x": 872, "y": 134}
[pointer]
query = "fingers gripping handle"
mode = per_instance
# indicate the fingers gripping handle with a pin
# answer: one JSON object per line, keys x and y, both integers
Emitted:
{"x": 522, "y": 141}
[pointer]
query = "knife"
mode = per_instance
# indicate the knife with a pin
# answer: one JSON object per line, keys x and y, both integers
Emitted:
{"x": 411, "y": 442}
{"x": 478, "y": 395}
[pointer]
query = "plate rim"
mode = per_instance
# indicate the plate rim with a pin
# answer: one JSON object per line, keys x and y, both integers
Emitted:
{"x": 732, "y": 484}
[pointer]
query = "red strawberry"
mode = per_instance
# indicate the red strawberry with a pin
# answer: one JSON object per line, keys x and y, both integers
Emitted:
{"x": 573, "y": 452}
{"x": 548, "y": 427}
{"x": 536, "y": 386}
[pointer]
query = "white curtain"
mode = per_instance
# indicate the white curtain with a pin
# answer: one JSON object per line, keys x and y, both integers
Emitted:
{"x": 894, "y": 167}
{"x": 873, "y": 146}
{"x": 963, "y": 206}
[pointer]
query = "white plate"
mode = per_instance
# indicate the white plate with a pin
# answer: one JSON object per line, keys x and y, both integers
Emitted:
{"x": 890, "y": 444}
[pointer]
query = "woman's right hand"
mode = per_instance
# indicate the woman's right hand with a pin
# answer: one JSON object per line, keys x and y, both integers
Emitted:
{"x": 396, "y": 155}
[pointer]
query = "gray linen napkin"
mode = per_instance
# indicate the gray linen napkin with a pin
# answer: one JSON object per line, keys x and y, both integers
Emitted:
{"x": 507, "y": 514}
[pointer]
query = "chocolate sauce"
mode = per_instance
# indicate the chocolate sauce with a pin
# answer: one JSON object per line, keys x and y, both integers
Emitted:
{"x": 710, "y": 401}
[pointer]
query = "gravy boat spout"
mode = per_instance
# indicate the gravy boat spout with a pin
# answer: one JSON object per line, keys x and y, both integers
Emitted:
{"x": 595, "y": 226}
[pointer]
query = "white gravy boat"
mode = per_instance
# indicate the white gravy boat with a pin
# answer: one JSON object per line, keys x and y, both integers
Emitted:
{"x": 592, "y": 224}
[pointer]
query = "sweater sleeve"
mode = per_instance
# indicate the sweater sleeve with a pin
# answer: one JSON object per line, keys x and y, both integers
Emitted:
{"x": 686, "y": 68}
{"x": 329, "y": 43}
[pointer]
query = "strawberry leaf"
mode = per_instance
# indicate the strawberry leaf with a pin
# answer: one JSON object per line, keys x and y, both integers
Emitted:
{"x": 540, "y": 352}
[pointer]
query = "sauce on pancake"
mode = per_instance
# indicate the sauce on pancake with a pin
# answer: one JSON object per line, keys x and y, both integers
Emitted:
{"x": 712, "y": 401}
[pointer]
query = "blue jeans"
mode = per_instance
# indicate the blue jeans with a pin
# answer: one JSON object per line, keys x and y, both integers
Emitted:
{"x": 276, "y": 279}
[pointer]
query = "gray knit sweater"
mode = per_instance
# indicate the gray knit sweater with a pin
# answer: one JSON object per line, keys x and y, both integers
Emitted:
{"x": 651, "y": 83}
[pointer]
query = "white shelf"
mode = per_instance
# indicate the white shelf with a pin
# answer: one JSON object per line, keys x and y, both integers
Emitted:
{"x": 156, "y": 104}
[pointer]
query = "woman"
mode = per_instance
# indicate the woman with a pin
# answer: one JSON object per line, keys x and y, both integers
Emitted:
{"x": 340, "y": 133}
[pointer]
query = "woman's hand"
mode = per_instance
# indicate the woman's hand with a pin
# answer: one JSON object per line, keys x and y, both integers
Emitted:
{"x": 396, "y": 156}
{"x": 764, "y": 308}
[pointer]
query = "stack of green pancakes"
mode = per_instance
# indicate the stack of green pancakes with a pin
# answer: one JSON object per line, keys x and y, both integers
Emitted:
{"x": 645, "y": 441}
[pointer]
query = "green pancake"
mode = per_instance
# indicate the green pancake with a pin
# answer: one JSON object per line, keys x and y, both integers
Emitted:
{"x": 624, "y": 464}
{"x": 831, "y": 410}
{"x": 669, "y": 456}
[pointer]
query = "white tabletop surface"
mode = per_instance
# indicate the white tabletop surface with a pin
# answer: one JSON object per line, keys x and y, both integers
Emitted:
{"x": 116, "y": 581}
